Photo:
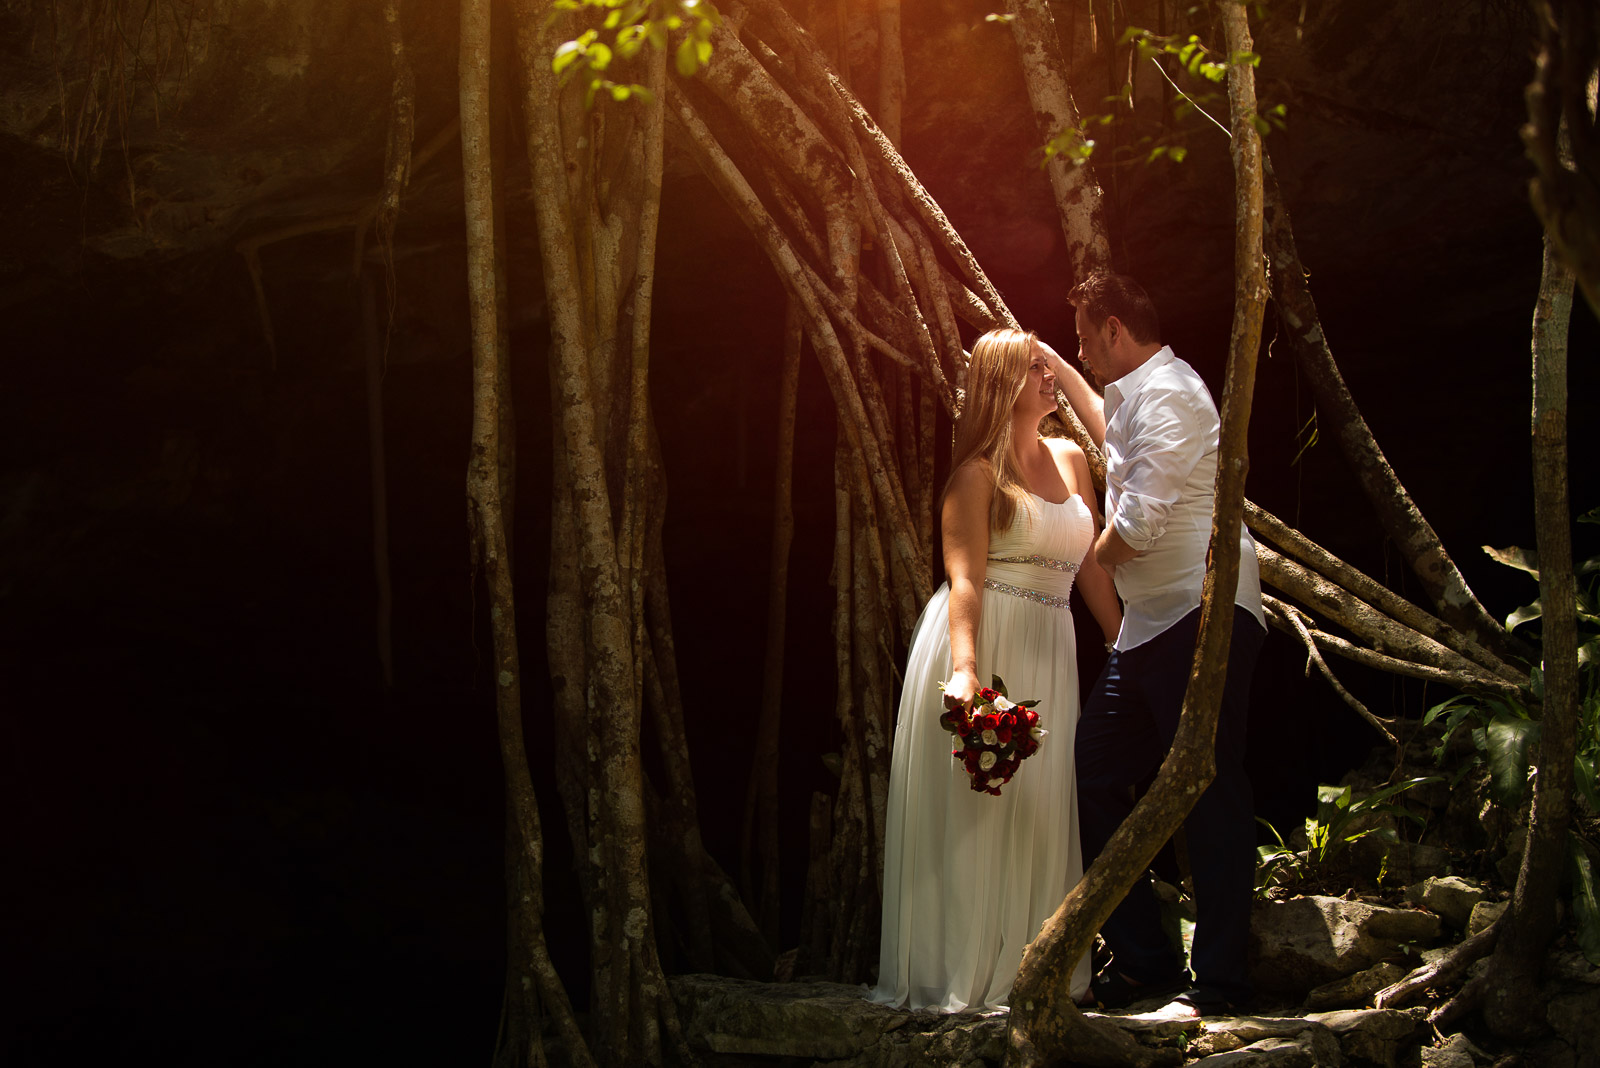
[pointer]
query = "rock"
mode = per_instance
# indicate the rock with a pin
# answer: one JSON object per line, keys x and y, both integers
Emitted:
{"x": 1152, "y": 1027}
{"x": 823, "y": 1021}
{"x": 1553, "y": 1053}
{"x": 1373, "y": 1036}
{"x": 1309, "y": 941}
{"x": 1575, "y": 1017}
{"x": 1447, "y": 1057}
{"x": 1311, "y": 1048}
{"x": 1357, "y": 990}
{"x": 1453, "y": 1047}
{"x": 1452, "y": 898}
{"x": 1483, "y": 914}
{"x": 1397, "y": 862}
{"x": 1571, "y": 966}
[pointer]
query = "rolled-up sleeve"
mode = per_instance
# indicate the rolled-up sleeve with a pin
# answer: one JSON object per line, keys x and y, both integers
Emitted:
{"x": 1163, "y": 451}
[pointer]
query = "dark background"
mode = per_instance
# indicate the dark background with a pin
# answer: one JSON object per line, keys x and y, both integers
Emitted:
{"x": 232, "y": 844}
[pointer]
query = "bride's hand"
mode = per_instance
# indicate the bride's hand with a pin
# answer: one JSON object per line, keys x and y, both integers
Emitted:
{"x": 959, "y": 691}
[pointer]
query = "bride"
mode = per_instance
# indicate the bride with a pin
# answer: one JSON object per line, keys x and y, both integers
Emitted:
{"x": 969, "y": 878}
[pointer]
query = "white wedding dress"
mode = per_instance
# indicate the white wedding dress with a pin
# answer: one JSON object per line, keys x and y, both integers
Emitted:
{"x": 969, "y": 878}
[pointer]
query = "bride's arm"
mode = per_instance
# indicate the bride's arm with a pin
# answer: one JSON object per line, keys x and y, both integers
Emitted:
{"x": 1099, "y": 592}
{"x": 965, "y": 526}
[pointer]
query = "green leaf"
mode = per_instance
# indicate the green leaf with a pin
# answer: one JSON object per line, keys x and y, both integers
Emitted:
{"x": 998, "y": 684}
{"x": 685, "y": 58}
{"x": 1442, "y": 707}
{"x": 621, "y": 92}
{"x": 1384, "y": 793}
{"x": 1508, "y": 739}
{"x": 1337, "y": 796}
{"x": 1585, "y": 782}
{"x": 1527, "y": 613}
{"x": 1585, "y": 905}
{"x": 1512, "y": 556}
{"x": 599, "y": 56}
{"x": 1588, "y": 652}
{"x": 1591, "y": 516}
{"x": 1176, "y": 153}
{"x": 702, "y": 52}
{"x": 1274, "y": 831}
{"x": 566, "y": 56}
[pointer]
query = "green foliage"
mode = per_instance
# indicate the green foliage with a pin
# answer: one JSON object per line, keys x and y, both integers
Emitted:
{"x": 1203, "y": 66}
{"x": 1332, "y": 829}
{"x": 1307, "y": 437}
{"x": 1336, "y": 826}
{"x": 1584, "y": 904}
{"x": 631, "y": 25}
{"x": 1277, "y": 865}
{"x": 1505, "y": 731}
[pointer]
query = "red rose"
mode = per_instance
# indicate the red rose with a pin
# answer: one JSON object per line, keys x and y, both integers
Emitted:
{"x": 1003, "y": 735}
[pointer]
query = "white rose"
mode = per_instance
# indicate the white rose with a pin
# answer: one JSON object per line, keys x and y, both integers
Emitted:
{"x": 1002, "y": 705}
{"x": 988, "y": 739}
{"x": 986, "y": 761}
{"x": 1037, "y": 733}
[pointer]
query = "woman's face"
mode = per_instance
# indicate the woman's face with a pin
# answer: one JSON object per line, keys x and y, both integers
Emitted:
{"x": 1038, "y": 396}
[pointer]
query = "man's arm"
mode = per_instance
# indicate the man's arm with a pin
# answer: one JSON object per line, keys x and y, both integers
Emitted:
{"x": 1110, "y": 550}
{"x": 1168, "y": 439}
{"x": 1084, "y": 400}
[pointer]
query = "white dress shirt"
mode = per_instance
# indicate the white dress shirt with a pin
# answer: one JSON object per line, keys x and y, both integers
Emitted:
{"x": 1161, "y": 469}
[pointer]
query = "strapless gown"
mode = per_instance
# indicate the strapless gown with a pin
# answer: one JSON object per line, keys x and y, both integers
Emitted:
{"x": 969, "y": 878}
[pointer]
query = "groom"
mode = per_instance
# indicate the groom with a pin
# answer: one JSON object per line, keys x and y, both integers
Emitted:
{"x": 1158, "y": 428}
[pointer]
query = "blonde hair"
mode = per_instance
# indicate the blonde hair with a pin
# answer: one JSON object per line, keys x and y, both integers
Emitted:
{"x": 995, "y": 377}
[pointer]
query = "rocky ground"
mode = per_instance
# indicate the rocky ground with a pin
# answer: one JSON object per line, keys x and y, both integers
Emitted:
{"x": 1329, "y": 933}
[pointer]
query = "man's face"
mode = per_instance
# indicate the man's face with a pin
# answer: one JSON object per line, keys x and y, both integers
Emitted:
{"x": 1094, "y": 349}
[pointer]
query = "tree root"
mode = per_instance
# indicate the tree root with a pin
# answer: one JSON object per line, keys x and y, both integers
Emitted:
{"x": 1442, "y": 972}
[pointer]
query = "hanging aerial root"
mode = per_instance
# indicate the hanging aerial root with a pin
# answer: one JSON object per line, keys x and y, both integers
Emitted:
{"x": 1288, "y": 617}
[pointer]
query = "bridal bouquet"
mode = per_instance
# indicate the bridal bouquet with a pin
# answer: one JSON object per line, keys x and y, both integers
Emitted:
{"x": 994, "y": 737}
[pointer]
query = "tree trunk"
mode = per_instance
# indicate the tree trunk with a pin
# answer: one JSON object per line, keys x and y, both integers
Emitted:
{"x": 372, "y": 346}
{"x": 1077, "y": 192}
{"x": 891, "y": 69}
{"x": 531, "y": 979}
{"x": 595, "y": 211}
{"x": 1562, "y": 141}
{"x": 1045, "y": 1025}
{"x": 1512, "y": 1003}
{"x": 761, "y": 804}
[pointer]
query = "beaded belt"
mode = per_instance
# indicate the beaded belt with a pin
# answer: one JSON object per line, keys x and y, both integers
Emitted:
{"x": 1041, "y": 561}
{"x": 1048, "y": 600}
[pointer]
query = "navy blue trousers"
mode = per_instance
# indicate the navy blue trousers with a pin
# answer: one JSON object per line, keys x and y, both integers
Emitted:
{"x": 1123, "y": 735}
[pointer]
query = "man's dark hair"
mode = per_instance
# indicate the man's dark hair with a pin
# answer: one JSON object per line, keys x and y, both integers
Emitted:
{"x": 1105, "y": 293}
